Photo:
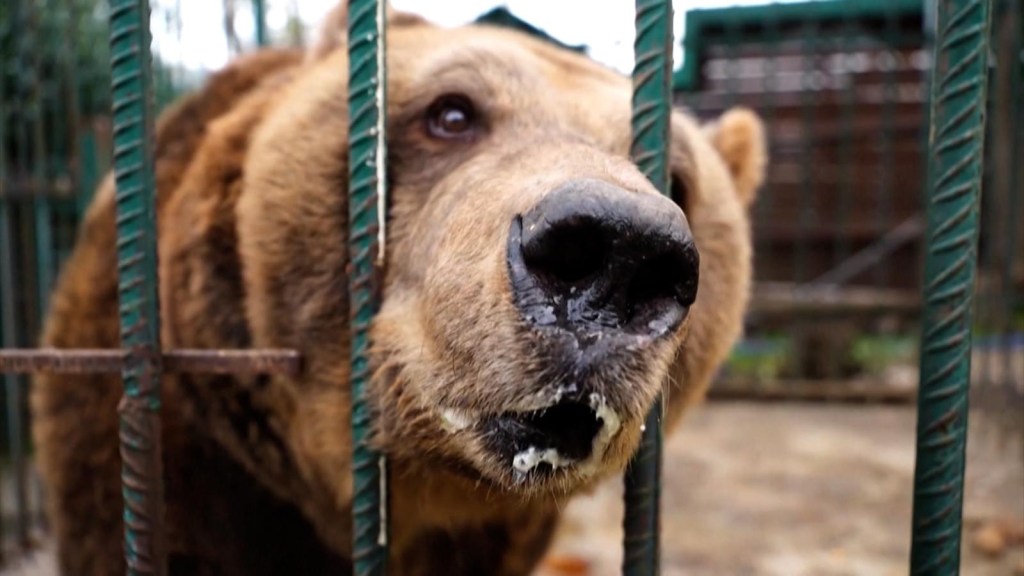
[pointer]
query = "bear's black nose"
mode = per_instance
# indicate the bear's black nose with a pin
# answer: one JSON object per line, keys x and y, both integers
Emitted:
{"x": 592, "y": 257}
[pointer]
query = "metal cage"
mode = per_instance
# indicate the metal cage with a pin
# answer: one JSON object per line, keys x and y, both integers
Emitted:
{"x": 955, "y": 170}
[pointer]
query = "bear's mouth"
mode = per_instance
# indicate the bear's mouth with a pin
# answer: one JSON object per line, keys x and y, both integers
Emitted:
{"x": 571, "y": 434}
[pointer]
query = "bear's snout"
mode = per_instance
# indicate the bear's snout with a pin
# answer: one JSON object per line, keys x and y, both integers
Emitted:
{"x": 597, "y": 260}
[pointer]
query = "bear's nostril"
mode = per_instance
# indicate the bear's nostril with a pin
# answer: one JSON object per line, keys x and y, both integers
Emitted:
{"x": 571, "y": 250}
{"x": 667, "y": 275}
{"x": 591, "y": 257}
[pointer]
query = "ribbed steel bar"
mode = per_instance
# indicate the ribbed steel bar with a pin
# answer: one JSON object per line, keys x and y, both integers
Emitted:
{"x": 65, "y": 361}
{"x": 1014, "y": 12}
{"x": 848, "y": 103}
{"x": 956, "y": 153}
{"x": 8, "y": 322}
{"x": 21, "y": 16}
{"x": 259, "y": 14}
{"x": 366, "y": 212}
{"x": 809, "y": 47}
{"x": 44, "y": 249}
{"x": 652, "y": 105}
{"x": 141, "y": 468}
{"x": 887, "y": 185}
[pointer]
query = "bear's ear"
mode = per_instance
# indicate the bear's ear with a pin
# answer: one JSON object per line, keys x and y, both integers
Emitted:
{"x": 739, "y": 137}
{"x": 333, "y": 30}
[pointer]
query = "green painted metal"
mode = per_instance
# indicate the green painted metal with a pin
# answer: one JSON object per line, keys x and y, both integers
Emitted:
{"x": 1013, "y": 11}
{"x": 848, "y": 104}
{"x": 956, "y": 153}
{"x": 43, "y": 228}
{"x": 808, "y": 118}
{"x": 366, "y": 213}
{"x": 652, "y": 106}
{"x": 23, "y": 79}
{"x": 8, "y": 306}
{"x": 259, "y": 14}
{"x": 700, "y": 23}
{"x": 132, "y": 97}
{"x": 884, "y": 192}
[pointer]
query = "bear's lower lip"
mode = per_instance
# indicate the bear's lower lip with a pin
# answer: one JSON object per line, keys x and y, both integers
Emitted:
{"x": 570, "y": 434}
{"x": 558, "y": 436}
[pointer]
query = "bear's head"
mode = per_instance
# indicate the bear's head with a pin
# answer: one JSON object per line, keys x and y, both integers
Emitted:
{"x": 539, "y": 292}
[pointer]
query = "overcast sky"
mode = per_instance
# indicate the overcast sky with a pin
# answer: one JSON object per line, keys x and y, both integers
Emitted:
{"x": 607, "y": 30}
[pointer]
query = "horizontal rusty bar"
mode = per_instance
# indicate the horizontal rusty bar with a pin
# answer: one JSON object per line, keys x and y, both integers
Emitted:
{"x": 20, "y": 188}
{"x": 85, "y": 361}
{"x": 232, "y": 361}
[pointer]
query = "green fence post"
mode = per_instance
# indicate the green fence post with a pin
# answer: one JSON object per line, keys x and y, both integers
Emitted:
{"x": 366, "y": 213}
{"x": 8, "y": 306}
{"x": 22, "y": 16}
{"x": 43, "y": 191}
{"x": 652, "y": 105}
{"x": 131, "y": 95}
{"x": 956, "y": 146}
{"x": 259, "y": 15}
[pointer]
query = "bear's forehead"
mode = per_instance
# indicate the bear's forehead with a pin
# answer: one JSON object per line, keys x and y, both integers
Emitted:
{"x": 509, "y": 72}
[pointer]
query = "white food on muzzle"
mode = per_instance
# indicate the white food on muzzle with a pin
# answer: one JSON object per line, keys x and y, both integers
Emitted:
{"x": 528, "y": 459}
{"x": 455, "y": 420}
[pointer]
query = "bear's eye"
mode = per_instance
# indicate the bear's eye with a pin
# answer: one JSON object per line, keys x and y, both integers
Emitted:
{"x": 451, "y": 116}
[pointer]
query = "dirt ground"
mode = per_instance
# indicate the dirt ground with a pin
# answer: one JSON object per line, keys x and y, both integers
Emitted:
{"x": 789, "y": 490}
{"x": 798, "y": 490}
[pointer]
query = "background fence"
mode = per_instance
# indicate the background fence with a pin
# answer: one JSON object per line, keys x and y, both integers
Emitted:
{"x": 839, "y": 226}
{"x": 842, "y": 85}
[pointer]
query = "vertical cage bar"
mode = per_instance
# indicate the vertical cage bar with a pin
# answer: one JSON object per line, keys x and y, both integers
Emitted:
{"x": 259, "y": 15}
{"x": 652, "y": 106}
{"x": 6, "y": 288}
{"x": 848, "y": 37}
{"x": 1014, "y": 13}
{"x": 82, "y": 105}
{"x": 8, "y": 321}
{"x": 956, "y": 146}
{"x": 809, "y": 142}
{"x": 43, "y": 193}
{"x": 766, "y": 207}
{"x": 64, "y": 129}
{"x": 366, "y": 213}
{"x": 22, "y": 18}
{"x": 885, "y": 192}
{"x": 132, "y": 103}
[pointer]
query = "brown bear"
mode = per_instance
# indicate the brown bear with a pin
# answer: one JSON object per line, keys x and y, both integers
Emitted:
{"x": 539, "y": 294}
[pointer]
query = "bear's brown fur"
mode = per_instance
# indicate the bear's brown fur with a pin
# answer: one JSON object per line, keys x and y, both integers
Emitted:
{"x": 251, "y": 176}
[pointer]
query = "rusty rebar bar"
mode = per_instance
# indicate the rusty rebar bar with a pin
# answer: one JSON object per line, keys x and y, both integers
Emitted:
{"x": 84, "y": 361}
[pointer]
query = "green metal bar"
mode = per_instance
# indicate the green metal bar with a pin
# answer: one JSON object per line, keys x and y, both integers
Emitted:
{"x": 366, "y": 213}
{"x": 259, "y": 15}
{"x": 652, "y": 106}
{"x": 81, "y": 85}
{"x": 884, "y": 191}
{"x": 132, "y": 103}
{"x": 41, "y": 203}
{"x": 848, "y": 102}
{"x": 956, "y": 153}
{"x": 8, "y": 306}
{"x": 22, "y": 16}
{"x": 808, "y": 143}
{"x": 765, "y": 206}
{"x": 6, "y": 257}
{"x": 1015, "y": 14}
{"x": 64, "y": 126}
